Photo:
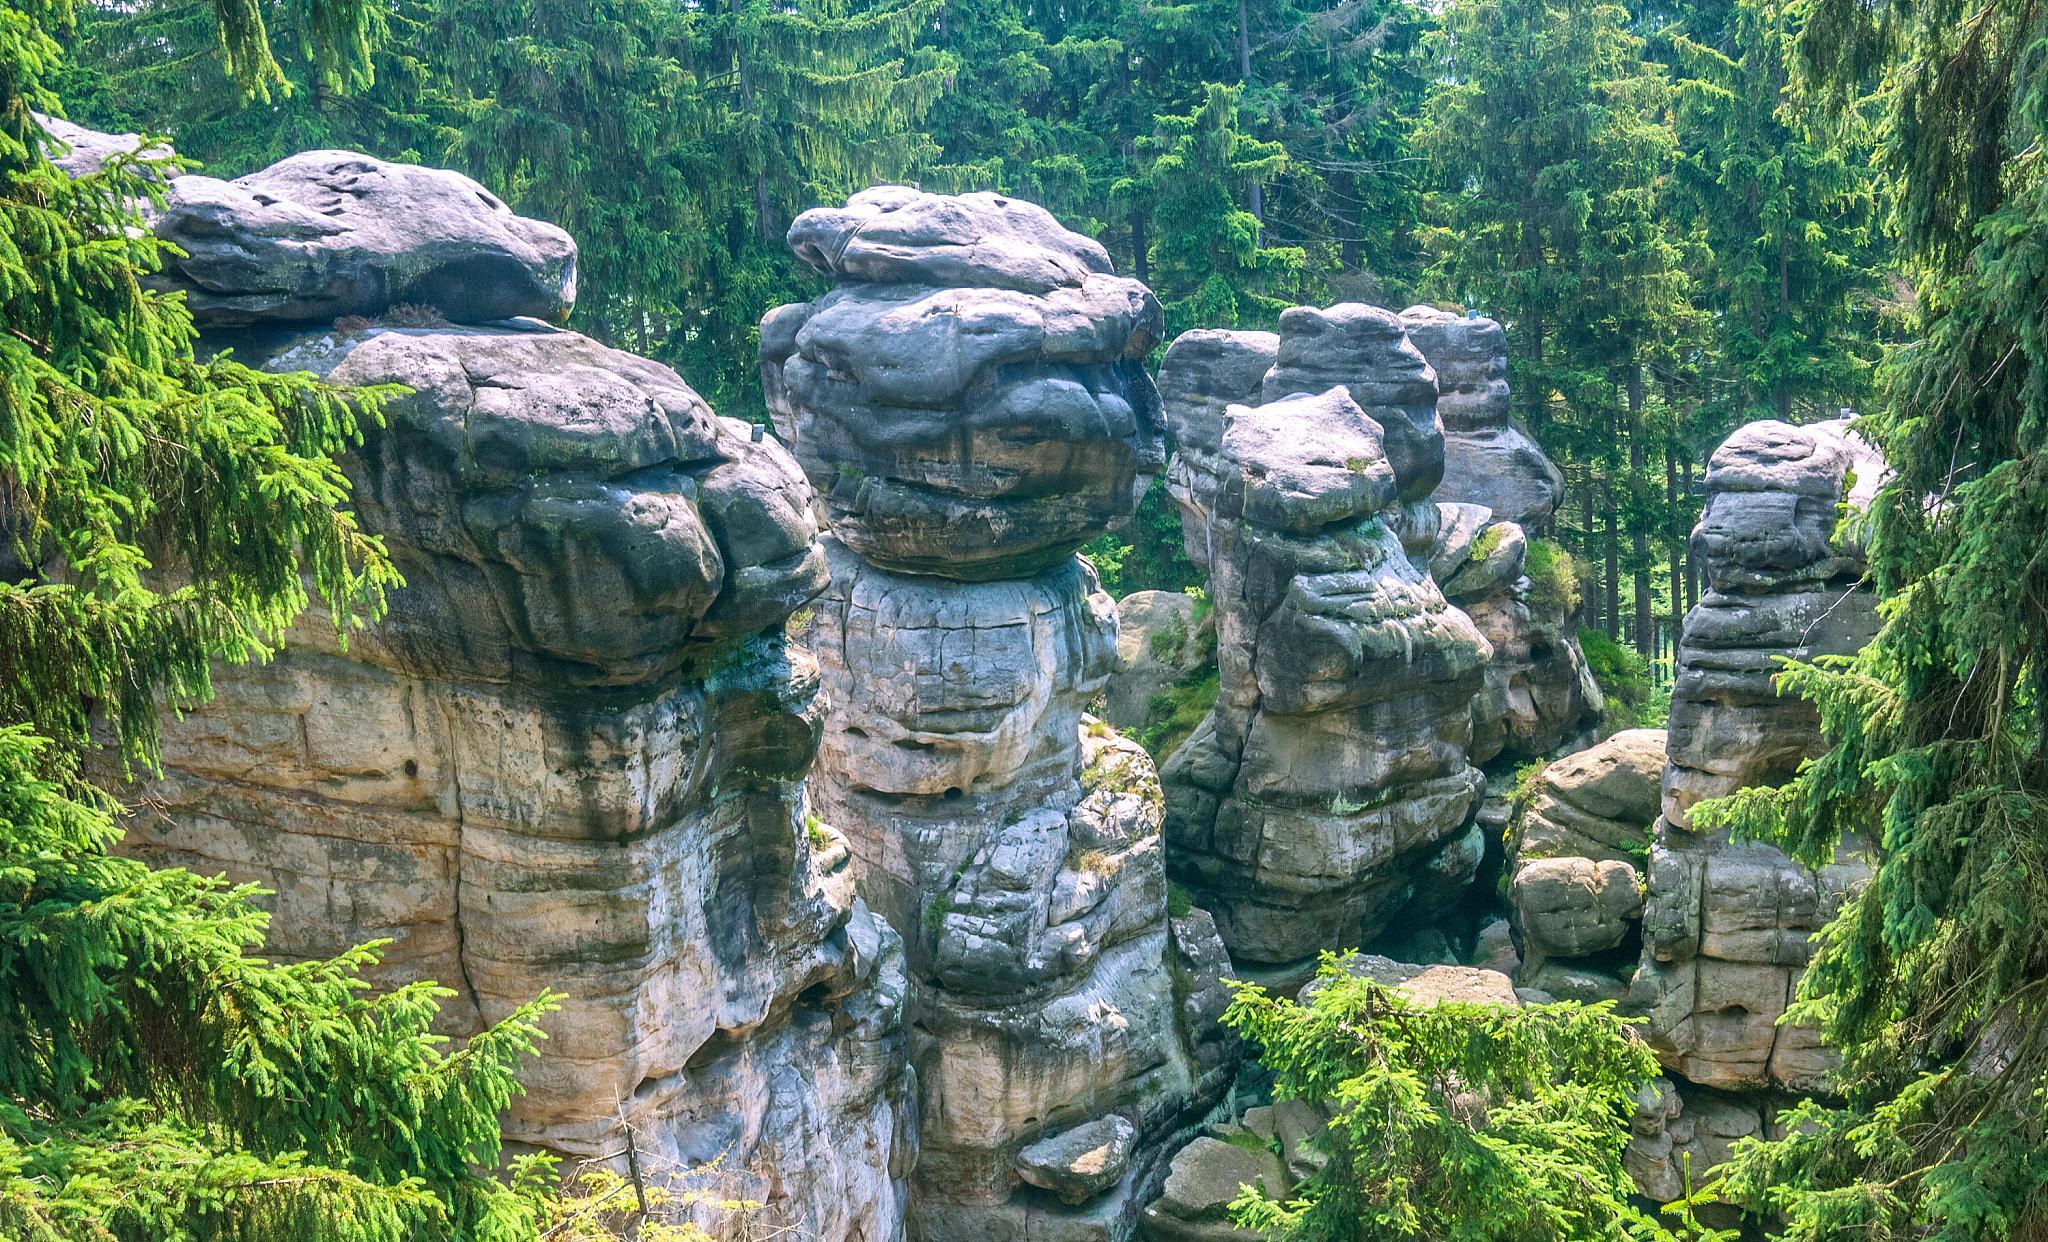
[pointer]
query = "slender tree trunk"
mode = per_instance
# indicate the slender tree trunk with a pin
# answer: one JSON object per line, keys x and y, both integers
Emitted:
{"x": 1244, "y": 78}
{"x": 1589, "y": 555}
{"x": 1141, "y": 261}
{"x": 1639, "y": 537}
{"x": 1781, "y": 393}
{"x": 1692, "y": 568}
{"x": 1611, "y": 537}
{"x": 1675, "y": 558}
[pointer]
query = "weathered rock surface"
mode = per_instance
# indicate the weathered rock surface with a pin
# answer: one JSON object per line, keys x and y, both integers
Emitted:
{"x": 1726, "y": 926}
{"x": 1489, "y": 460}
{"x": 970, "y": 398}
{"x": 1160, "y": 642}
{"x": 86, "y": 151}
{"x": 323, "y": 234}
{"x": 1538, "y": 693}
{"x": 573, "y": 754}
{"x": 1680, "y": 1132}
{"x": 1333, "y": 767}
{"x": 1777, "y": 585}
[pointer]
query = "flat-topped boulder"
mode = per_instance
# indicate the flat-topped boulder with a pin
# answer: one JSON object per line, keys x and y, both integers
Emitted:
{"x": 324, "y": 234}
{"x": 893, "y": 234}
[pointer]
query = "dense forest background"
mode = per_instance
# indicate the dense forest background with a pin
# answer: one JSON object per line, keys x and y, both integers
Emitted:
{"x": 1675, "y": 244}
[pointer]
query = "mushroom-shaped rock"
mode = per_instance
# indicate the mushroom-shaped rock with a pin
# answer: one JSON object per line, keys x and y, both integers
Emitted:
{"x": 324, "y": 234}
{"x": 970, "y": 398}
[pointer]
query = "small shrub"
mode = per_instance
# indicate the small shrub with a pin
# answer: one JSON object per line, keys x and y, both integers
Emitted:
{"x": 1178, "y": 904}
{"x": 1553, "y": 579}
{"x": 1634, "y": 700}
{"x": 1177, "y": 711}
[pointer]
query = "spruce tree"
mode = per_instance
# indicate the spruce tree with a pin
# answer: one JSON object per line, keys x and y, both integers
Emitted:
{"x": 1478, "y": 1122}
{"x": 1933, "y": 981}
{"x": 157, "y": 1082}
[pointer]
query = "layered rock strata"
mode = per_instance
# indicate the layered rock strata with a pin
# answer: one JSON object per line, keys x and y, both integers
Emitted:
{"x": 970, "y": 401}
{"x": 572, "y": 756}
{"x": 1332, "y": 772}
{"x": 1489, "y": 460}
{"x": 1307, "y": 819}
{"x": 1727, "y": 926}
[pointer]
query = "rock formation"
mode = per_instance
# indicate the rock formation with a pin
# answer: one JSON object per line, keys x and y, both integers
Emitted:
{"x": 1576, "y": 859}
{"x": 1333, "y": 768}
{"x": 1163, "y": 640}
{"x": 1332, "y": 783}
{"x": 969, "y": 400}
{"x": 1726, "y": 925}
{"x": 573, "y": 754}
{"x": 1489, "y": 460}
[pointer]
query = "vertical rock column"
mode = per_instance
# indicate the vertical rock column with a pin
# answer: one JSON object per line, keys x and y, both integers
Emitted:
{"x": 572, "y": 756}
{"x": 1331, "y": 782}
{"x": 970, "y": 401}
{"x": 1727, "y": 926}
{"x": 1498, "y": 488}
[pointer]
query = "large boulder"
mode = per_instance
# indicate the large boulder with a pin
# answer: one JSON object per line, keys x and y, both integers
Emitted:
{"x": 324, "y": 234}
{"x": 970, "y": 398}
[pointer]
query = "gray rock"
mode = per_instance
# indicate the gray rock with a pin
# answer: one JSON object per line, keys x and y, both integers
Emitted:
{"x": 1570, "y": 907}
{"x": 1206, "y": 1176}
{"x": 1205, "y": 372}
{"x": 1079, "y": 1163}
{"x": 1598, "y": 803}
{"x": 1426, "y": 986}
{"x": 1489, "y": 460}
{"x": 324, "y": 234}
{"x": 1333, "y": 769}
{"x": 86, "y": 151}
{"x": 1681, "y": 1134}
{"x": 1366, "y": 350}
{"x": 558, "y": 505}
{"x": 970, "y": 399}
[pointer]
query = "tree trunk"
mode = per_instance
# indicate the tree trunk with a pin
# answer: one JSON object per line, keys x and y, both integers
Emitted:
{"x": 1244, "y": 78}
{"x": 1589, "y": 556}
{"x": 1675, "y": 559}
{"x": 1692, "y": 569}
{"x": 1141, "y": 262}
{"x": 1611, "y": 534}
{"x": 1639, "y": 538}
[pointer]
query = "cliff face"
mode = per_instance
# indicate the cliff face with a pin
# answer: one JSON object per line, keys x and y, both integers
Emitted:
{"x": 970, "y": 401}
{"x": 573, "y": 756}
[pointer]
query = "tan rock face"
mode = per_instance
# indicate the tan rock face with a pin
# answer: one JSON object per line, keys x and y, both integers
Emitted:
{"x": 572, "y": 757}
{"x": 1726, "y": 926}
{"x": 969, "y": 396}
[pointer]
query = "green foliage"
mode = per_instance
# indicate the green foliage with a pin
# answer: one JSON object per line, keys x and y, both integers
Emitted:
{"x": 1634, "y": 699}
{"x": 1450, "y": 1121}
{"x": 1146, "y": 554}
{"x": 1210, "y": 264}
{"x": 1553, "y": 579}
{"x": 158, "y": 1083}
{"x": 1932, "y": 980}
{"x": 1175, "y": 713}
